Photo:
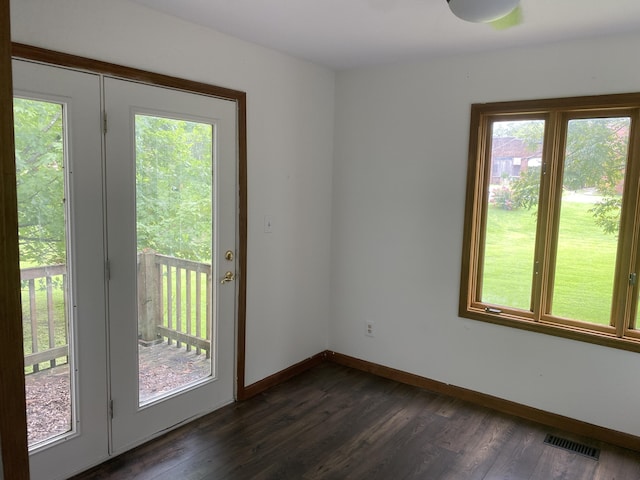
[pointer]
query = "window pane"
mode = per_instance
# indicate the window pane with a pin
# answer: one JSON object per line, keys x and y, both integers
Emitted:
{"x": 593, "y": 180}
{"x": 174, "y": 182}
{"x": 39, "y": 137}
{"x": 514, "y": 186}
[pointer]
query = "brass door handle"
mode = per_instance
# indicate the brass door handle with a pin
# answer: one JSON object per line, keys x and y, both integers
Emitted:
{"x": 228, "y": 277}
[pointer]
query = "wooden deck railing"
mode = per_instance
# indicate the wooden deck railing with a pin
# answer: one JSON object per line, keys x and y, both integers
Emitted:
{"x": 173, "y": 306}
{"x": 44, "y": 311}
{"x": 173, "y": 303}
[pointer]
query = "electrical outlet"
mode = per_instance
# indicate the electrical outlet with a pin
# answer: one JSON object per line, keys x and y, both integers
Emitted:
{"x": 369, "y": 329}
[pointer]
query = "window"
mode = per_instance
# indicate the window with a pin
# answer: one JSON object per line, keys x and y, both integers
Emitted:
{"x": 552, "y": 220}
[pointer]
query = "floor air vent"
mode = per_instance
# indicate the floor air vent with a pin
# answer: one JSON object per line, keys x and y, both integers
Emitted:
{"x": 571, "y": 446}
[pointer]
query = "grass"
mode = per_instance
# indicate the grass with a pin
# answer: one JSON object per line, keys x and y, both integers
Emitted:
{"x": 585, "y": 262}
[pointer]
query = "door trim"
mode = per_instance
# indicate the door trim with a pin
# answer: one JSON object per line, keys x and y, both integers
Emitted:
{"x": 14, "y": 460}
{"x": 28, "y": 52}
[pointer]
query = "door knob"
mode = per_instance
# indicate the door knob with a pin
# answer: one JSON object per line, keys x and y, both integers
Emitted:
{"x": 228, "y": 277}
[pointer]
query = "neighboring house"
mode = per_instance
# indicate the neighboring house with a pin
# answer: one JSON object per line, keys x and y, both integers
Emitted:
{"x": 510, "y": 157}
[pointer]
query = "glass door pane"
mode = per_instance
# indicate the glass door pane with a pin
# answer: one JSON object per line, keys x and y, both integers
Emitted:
{"x": 41, "y": 186}
{"x": 174, "y": 191}
{"x": 593, "y": 181}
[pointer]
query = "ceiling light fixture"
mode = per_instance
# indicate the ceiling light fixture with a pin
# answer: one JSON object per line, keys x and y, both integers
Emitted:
{"x": 482, "y": 11}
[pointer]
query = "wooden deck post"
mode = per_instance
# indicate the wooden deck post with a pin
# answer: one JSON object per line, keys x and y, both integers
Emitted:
{"x": 148, "y": 303}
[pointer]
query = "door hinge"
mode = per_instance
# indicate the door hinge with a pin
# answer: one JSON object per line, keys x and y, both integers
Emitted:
{"x": 633, "y": 279}
{"x": 111, "y": 409}
{"x": 104, "y": 122}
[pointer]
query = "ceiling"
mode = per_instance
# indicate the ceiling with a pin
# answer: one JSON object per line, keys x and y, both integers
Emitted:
{"x": 343, "y": 34}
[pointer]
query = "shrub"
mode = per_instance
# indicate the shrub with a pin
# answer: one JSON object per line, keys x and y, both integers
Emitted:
{"x": 502, "y": 197}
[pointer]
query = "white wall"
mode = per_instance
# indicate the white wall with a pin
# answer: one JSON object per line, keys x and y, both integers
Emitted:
{"x": 398, "y": 203}
{"x": 290, "y": 135}
{"x": 395, "y": 227}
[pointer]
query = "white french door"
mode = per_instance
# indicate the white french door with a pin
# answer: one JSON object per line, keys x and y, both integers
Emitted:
{"x": 76, "y": 96}
{"x": 171, "y": 208}
{"x": 149, "y": 210}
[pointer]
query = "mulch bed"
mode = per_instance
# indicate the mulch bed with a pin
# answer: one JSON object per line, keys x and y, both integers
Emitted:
{"x": 163, "y": 368}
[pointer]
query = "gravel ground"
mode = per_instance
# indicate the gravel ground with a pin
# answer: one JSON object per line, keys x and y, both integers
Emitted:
{"x": 162, "y": 369}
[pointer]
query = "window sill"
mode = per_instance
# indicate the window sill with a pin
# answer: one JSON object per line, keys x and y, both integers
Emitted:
{"x": 555, "y": 329}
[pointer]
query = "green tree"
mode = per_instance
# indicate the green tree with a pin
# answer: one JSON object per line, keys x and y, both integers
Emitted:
{"x": 39, "y": 141}
{"x": 174, "y": 187}
{"x": 607, "y": 213}
{"x": 526, "y": 189}
{"x": 595, "y": 157}
{"x": 596, "y": 153}
{"x": 174, "y": 168}
{"x": 530, "y": 132}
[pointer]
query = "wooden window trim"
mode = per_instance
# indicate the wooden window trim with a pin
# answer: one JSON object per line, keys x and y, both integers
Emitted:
{"x": 556, "y": 112}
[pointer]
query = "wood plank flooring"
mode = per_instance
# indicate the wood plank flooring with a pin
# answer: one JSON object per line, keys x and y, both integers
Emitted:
{"x": 334, "y": 422}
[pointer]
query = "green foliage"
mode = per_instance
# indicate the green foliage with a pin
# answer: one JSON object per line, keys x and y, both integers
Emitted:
{"x": 526, "y": 189}
{"x": 596, "y": 153}
{"x": 607, "y": 214}
{"x": 502, "y": 197}
{"x": 530, "y": 132}
{"x": 40, "y": 181}
{"x": 595, "y": 157}
{"x": 174, "y": 187}
{"x": 173, "y": 174}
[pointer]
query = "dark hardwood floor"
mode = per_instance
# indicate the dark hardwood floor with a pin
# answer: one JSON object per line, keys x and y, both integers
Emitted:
{"x": 334, "y": 422}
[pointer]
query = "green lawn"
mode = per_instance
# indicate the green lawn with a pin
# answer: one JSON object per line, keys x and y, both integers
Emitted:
{"x": 585, "y": 264}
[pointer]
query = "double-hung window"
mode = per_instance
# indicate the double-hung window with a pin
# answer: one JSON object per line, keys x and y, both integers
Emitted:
{"x": 552, "y": 221}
